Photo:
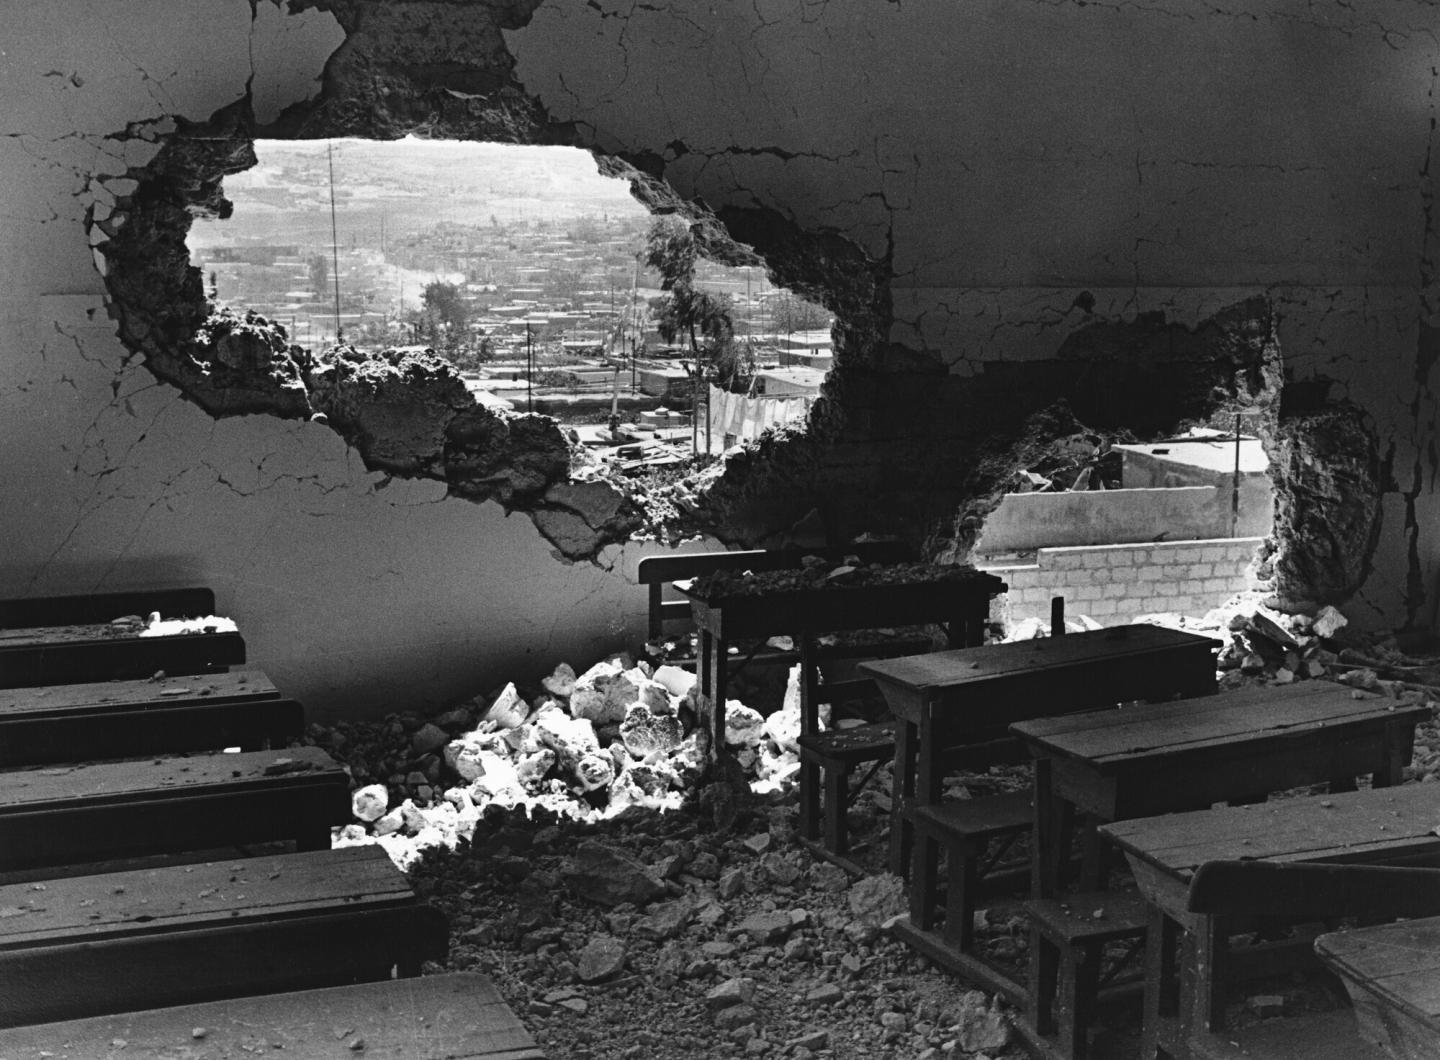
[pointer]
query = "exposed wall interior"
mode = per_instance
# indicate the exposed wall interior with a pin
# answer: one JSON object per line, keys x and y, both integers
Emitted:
{"x": 1131, "y": 217}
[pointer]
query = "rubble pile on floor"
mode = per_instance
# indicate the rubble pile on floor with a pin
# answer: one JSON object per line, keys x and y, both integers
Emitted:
{"x": 620, "y": 735}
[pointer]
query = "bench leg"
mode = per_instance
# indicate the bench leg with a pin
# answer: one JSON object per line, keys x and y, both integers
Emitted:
{"x": 1203, "y": 976}
{"x": 924, "y": 881}
{"x": 809, "y": 800}
{"x": 962, "y": 870}
{"x": 1161, "y": 934}
{"x": 1043, "y": 979}
{"x": 1079, "y": 981}
{"x": 837, "y": 803}
{"x": 902, "y": 793}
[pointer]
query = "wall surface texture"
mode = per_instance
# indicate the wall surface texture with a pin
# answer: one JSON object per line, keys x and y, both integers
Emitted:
{"x": 1122, "y": 206}
{"x": 1114, "y": 584}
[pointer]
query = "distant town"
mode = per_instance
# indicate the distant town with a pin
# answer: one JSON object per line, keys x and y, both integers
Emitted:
{"x": 523, "y": 266}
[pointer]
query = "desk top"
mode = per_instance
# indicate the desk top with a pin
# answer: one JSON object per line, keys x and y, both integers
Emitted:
{"x": 841, "y": 606}
{"x": 94, "y": 783}
{"x": 1374, "y": 825}
{"x": 1110, "y": 739}
{"x": 1399, "y": 963}
{"x": 238, "y": 685}
{"x": 964, "y": 666}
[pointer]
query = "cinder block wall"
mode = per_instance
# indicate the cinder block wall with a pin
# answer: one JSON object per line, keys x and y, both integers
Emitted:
{"x": 1114, "y": 583}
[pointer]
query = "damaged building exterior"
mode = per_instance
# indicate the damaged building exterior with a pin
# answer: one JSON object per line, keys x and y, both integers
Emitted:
{"x": 1025, "y": 217}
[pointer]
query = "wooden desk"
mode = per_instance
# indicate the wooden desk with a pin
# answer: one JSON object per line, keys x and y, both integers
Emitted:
{"x": 1190, "y": 754}
{"x": 973, "y": 694}
{"x": 1392, "y": 973}
{"x": 960, "y": 604}
{"x": 53, "y": 655}
{"x": 1186, "y": 952}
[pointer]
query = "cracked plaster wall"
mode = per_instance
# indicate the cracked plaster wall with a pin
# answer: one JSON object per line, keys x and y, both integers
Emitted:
{"x": 1002, "y": 158}
{"x": 356, "y": 592}
{"x": 992, "y": 161}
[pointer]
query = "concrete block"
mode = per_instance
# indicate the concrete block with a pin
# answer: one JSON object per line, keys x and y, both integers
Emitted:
{"x": 1155, "y": 574}
{"x": 1116, "y": 590}
{"x": 1214, "y": 553}
{"x": 1101, "y": 608}
{"x": 1087, "y": 592}
{"x": 1124, "y": 557}
{"x": 1156, "y": 603}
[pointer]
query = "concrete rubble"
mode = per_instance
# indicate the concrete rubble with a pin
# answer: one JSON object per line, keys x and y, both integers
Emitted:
{"x": 621, "y": 734}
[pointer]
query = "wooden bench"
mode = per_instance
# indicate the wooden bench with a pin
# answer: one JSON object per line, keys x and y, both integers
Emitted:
{"x": 456, "y": 1016}
{"x": 96, "y": 608}
{"x": 964, "y": 831}
{"x": 68, "y": 654}
{"x": 92, "y": 945}
{"x": 1067, "y": 936}
{"x": 113, "y": 719}
{"x": 82, "y": 813}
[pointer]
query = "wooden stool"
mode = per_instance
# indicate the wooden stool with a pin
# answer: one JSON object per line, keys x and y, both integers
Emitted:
{"x": 1066, "y": 937}
{"x": 73, "y": 814}
{"x": 963, "y": 829}
{"x": 456, "y": 1016}
{"x": 120, "y": 719}
{"x": 826, "y": 762}
{"x": 91, "y": 945}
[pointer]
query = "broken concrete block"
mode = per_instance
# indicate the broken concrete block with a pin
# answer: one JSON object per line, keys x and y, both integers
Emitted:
{"x": 594, "y": 771}
{"x": 744, "y": 726}
{"x": 1328, "y": 622}
{"x": 508, "y": 711}
{"x": 643, "y": 732}
{"x": 370, "y": 802}
{"x": 561, "y": 681}
{"x": 676, "y": 681}
{"x": 532, "y": 769}
{"x": 428, "y": 738}
{"x": 609, "y": 877}
{"x": 592, "y": 697}
{"x": 602, "y": 958}
{"x": 570, "y": 738}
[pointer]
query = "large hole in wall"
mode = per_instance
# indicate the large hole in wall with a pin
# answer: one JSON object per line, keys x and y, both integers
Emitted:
{"x": 408, "y": 407}
{"x": 533, "y": 275}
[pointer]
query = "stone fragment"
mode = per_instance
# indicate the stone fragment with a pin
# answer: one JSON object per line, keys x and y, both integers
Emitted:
{"x": 674, "y": 680}
{"x": 875, "y": 899}
{"x": 643, "y": 732}
{"x": 561, "y": 682}
{"x": 766, "y": 927}
{"x": 665, "y": 921}
{"x": 1328, "y": 622}
{"x": 370, "y": 802}
{"x": 602, "y": 694}
{"x": 570, "y": 738}
{"x": 828, "y": 994}
{"x": 594, "y": 771}
{"x": 812, "y": 1042}
{"x": 735, "y": 991}
{"x": 1266, "y": 1005}
{"x": 779, "y": 869}
{"x": 829, "y": 877}
{"x": 603, "y": 957}
{"x": 744, "y": 726}
{"x": 758, "y": 843}
{"x": 736, "y": 1016}
{"x": 508, "y": 711}
{"x": 428, "y": 738}
{"x": 608, "y": 877}
{"x": 981, "y": 1026}
{"x": 389, "y": 824}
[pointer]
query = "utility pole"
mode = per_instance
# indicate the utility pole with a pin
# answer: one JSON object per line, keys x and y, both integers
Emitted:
{"x": 529, "y": 371}
{"x": 334, "y": 239}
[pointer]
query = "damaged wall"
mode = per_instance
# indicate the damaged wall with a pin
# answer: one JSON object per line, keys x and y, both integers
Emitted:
{"x": 1008, "y": 204}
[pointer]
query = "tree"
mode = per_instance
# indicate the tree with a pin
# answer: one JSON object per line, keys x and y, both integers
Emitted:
{"x": 447, "y": 302}
{"x": 319, "y": 272}
{"x": 670, "y": 248}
